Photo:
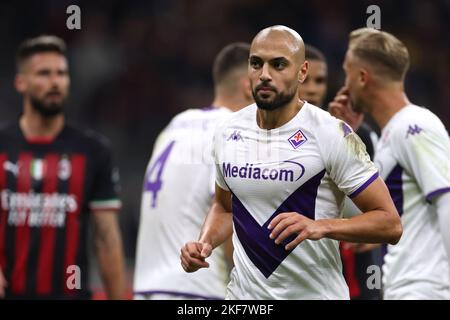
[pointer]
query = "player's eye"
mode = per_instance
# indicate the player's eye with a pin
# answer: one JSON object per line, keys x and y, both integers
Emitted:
{"x": 255, "y": 63}
{"x": 279, "y": 64}
{"x": 320, "y": 80}
{"x": 43, "y": 72}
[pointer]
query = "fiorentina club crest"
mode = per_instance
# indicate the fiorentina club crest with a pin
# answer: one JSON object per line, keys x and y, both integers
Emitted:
{"x": 297, "y": 139}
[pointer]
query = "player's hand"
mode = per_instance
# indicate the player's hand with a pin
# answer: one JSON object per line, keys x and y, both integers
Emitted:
{"x": 193, "y": 256}
{"x": 289, "y": 223}
{"x": 3, "y": 285}
{"x": 341, "y": 108}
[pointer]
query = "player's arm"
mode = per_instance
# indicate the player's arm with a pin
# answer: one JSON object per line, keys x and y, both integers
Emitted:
{"x": 349, "y": 166}
{"x": 217, "y": 228}
{"x": 108, "y": 248}
{"x": 228, "y": 252}
{"x": 3, "y": 284}
{"x": 442, "y": 203}
{"x": 379, "y": 223}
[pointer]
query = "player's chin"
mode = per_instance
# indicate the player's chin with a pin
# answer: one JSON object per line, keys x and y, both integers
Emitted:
{"x": 54, "y": 102}
{"x": 265, "y": 102}
{"x": 54, "y": 105}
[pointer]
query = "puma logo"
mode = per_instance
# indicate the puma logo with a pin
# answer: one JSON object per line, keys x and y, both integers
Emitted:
{"x": 11, "y": 167}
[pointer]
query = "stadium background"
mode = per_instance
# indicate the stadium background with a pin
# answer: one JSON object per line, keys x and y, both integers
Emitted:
{"x": 135, "y": 64}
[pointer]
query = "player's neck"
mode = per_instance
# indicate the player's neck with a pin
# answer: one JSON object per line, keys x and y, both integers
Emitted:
{"x": 387, "y": 103}
{"x": 33, "y": 124}
{"x": 276, "y": 118}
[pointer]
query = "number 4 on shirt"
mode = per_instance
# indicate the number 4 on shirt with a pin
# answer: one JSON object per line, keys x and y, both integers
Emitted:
{"x": 153, "y": 183}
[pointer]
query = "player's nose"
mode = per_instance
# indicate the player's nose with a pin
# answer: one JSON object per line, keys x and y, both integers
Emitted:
{"x": 265, "y": 73}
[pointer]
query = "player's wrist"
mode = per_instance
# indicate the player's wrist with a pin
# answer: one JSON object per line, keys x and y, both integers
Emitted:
{"x": 325, "y": 228}
{"x": 205, "y": 239}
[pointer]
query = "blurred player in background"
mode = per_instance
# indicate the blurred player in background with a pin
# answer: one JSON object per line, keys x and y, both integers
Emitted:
{"x": 314, "y": 88}
{"x": 54, "y": 179}
{"x": 413, "y": 155}
{"x": 179, "y": 189}
{"x": 355, "y": 257}
{"x": 281, "y": 184}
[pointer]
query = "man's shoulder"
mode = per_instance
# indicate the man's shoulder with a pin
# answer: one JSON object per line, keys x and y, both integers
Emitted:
{"x": 88, "y": 136}
{"x": 324, "y": 125}
{"x": 416, "y": 113}
{"x": 317, "y": 117}
{"x": 8, "y": 127}
{"x": 9, "y": 131}
{"x": 238, "y": 120}
{"x": 369, "y": 137}
{"x": 245, "y": 116}
{"x": 197, "y": 118}
{"x": 413, "y": 120}
{"x": 200, "y": 113}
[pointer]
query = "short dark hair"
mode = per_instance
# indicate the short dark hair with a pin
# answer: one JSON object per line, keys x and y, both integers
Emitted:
{"x": 231, "y": 57}
{"x": 40, "y": 44}
{"x": 312, "y": 53}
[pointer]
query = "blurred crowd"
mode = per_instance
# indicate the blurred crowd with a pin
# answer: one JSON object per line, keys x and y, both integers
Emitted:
{"x": 135, "y": 64}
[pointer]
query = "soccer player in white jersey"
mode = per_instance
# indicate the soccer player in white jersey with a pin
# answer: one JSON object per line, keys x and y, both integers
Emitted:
{"x": 413, "y": 156}
{"x": 179, "y": 187}
{"x": 283, "y": 167}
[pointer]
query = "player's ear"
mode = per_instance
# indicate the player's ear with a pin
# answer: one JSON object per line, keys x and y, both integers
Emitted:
{"x": 19, "y": 83}
{"x": 303, "y": 72}
{"x": 363, "y": 76}
{"x": 246, "y": 87}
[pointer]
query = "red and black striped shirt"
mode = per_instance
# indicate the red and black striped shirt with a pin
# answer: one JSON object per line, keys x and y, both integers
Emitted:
{"x": 47, "y": 189}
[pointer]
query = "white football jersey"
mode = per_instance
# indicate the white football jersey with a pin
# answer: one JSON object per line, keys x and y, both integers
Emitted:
{"x": 413, "y": 156}
{"x": 177, "y": 195}
{"x": 307, "y": 165}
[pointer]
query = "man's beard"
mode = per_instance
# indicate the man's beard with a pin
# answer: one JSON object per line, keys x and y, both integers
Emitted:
{"x": 47, "y": 110}
{"x": 357, "y": 105}
{"x": 281, "y": 99}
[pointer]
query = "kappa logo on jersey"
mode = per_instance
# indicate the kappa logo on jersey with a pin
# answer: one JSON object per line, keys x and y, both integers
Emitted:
{"x": 297, "y": 139}
{"x": 235, "y": 136}
{"x": 412, "y": 130}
